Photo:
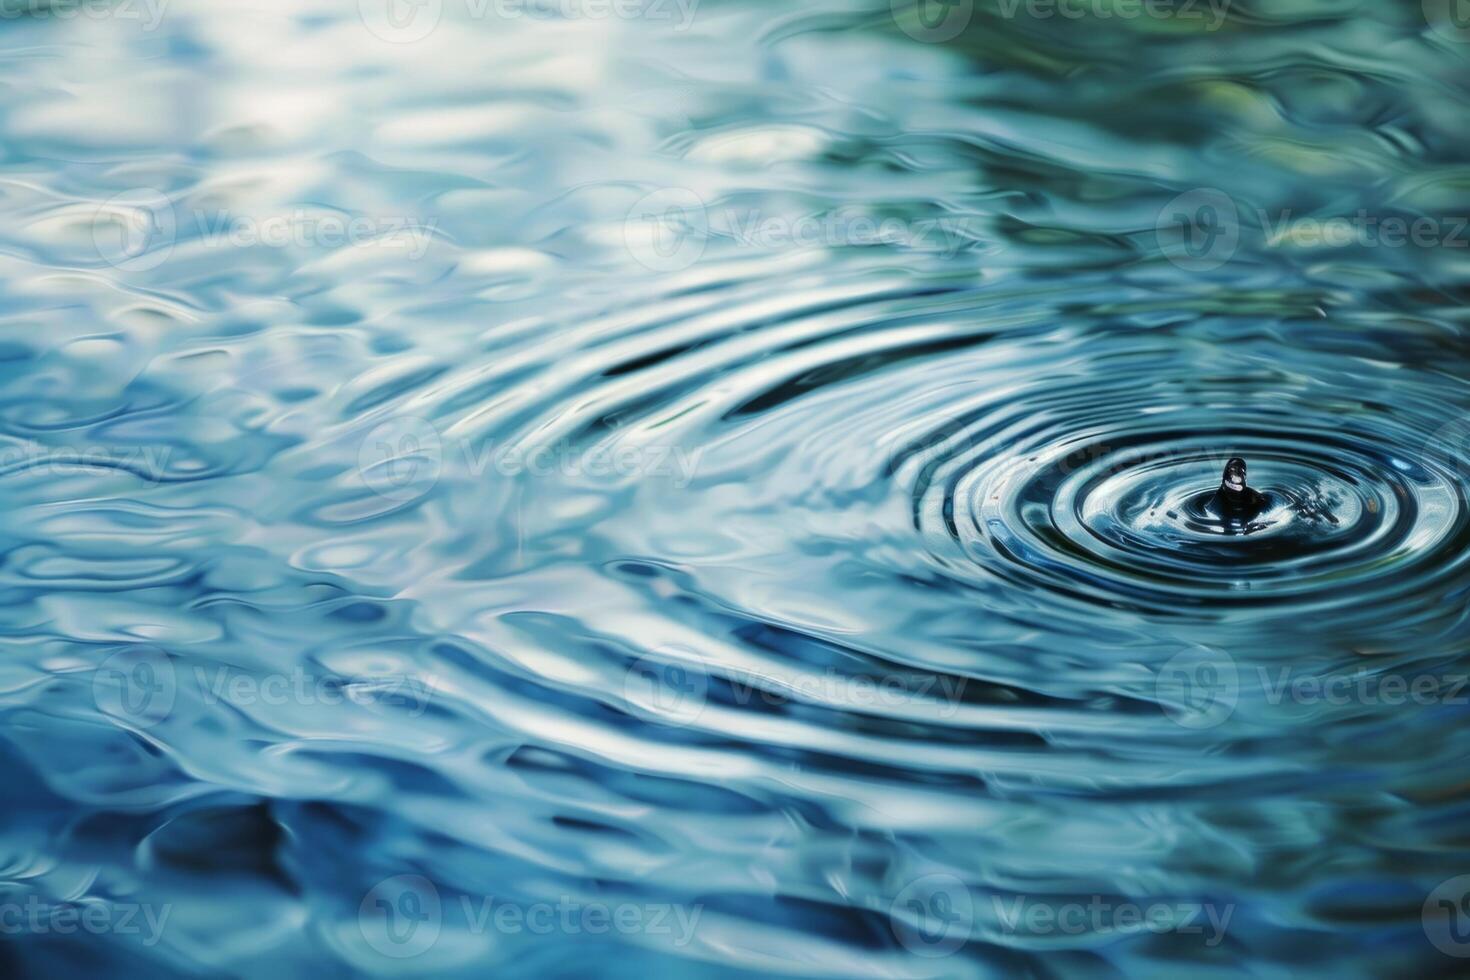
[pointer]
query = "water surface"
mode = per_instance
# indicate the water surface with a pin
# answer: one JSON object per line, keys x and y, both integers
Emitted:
{"x": 739, "y": 472}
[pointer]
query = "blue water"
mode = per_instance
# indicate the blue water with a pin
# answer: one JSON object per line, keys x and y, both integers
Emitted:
{"x": 718, "y": 490}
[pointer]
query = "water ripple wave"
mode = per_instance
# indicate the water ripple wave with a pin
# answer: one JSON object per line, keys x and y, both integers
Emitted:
{"x": 746, "y": 480}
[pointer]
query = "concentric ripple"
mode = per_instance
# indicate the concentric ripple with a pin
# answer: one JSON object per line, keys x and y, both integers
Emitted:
{"x": 1358, "y": 512}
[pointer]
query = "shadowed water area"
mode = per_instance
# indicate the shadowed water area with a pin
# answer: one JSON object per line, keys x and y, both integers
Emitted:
{"x": 741, "y": 466}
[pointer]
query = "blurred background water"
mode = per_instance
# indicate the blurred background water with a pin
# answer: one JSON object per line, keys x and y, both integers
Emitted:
{"x": 712, "y": 488}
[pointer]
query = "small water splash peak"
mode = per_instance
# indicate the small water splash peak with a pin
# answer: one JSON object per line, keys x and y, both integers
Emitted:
{"x": 1235, "y": 500}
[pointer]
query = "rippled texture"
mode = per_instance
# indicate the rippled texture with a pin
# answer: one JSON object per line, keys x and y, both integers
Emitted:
{"x": 822, "y": 583}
